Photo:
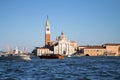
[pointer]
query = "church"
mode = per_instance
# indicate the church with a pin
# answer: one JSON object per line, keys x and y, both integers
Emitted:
{"x": 61, "y": 45}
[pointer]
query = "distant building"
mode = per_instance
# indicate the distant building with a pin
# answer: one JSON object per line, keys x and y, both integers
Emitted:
{"x": 61, "y": 45}
{"x": 112, "y": 49}
{"x": 42, "y": 50}
{"x": 67, "y": 47}
{"x": 94, "y": 50}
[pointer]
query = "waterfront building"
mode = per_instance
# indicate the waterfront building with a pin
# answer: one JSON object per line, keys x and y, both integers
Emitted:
{"x": 74, "y": 44}
{"x": 112, "y": 49}
{"x": 94, "y": 50}
{"x": 80, "y": 49}
{"x": 66, "y": 47}
{"x": 43, "y": 51}
{"x": 61, "y": 45}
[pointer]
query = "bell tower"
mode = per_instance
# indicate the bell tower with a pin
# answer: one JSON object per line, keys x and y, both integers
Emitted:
{"x": 47, "y": 32}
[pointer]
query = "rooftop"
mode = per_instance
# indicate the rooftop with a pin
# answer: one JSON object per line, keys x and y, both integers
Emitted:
{"x": 94, "y": 47}
{"x": 112, "y": 44}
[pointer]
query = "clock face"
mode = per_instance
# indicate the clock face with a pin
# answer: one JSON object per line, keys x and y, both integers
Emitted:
{"x": 47, "y": 29}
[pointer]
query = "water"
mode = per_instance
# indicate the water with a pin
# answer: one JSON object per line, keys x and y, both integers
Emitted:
{"x": 81, "y": 68}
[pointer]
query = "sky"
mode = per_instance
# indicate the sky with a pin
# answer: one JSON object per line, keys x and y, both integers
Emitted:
{"x": 88, "y": 22}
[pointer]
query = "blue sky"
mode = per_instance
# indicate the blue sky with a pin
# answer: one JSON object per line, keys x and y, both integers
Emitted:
{"x": 88, "y": 22}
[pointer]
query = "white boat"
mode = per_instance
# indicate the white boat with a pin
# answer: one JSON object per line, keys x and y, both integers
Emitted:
{"x": 15, "y": 56}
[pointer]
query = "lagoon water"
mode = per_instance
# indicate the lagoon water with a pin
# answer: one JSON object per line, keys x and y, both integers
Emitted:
{"x": 74, "y": 68}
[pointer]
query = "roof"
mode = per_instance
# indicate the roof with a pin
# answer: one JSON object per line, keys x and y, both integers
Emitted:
{"x": 112, "y": 44}
{"x": 94, "y": 47}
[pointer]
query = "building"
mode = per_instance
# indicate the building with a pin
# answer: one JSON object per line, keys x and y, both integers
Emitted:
{"x": 66, "y": 47}
{"x": 112, "y": 49}
{"x": 42, "y": 51}
{"x": 94, "y": 51}
{"x": 74, "y": 44}
{"x": 61, "y": 45}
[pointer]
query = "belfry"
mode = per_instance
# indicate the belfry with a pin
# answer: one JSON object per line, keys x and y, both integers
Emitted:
{"x": 47, "y": 32}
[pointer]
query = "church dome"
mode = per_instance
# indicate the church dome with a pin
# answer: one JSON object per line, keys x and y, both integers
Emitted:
{"x": 62, "y": 37}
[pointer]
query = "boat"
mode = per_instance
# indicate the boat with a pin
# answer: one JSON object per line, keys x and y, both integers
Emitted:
{"x": 15, "y": 57}
{"x": 51, "y": 56}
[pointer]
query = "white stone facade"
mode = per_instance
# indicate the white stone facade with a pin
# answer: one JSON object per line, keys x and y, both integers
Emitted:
{"x": 43, "y": 51}
{"x": 63, "y": 46}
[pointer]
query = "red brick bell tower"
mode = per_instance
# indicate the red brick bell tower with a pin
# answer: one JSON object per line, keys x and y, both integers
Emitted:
{"x": 47, "y": 32}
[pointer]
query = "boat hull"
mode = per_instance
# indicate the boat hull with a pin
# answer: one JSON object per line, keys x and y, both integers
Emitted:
{"x": 52, "y": 56}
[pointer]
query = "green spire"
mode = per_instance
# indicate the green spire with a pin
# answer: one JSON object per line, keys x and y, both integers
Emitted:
{"x": 47, "y": 22}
